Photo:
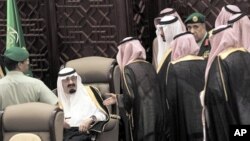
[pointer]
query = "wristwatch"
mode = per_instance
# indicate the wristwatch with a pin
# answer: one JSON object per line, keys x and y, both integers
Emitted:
{"x": 93, "y": 117}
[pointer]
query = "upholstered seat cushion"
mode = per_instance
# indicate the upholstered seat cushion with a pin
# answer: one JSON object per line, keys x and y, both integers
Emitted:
{"x": 25, "y": 137}
{"x": 92, "y": 72}
{"x": 43, "y": 120}
{"x": 27, "y": 119}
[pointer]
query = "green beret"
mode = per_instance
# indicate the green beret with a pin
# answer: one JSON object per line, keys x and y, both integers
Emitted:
{"x": 16, "y": 53}
{"x": 195, "y": 18}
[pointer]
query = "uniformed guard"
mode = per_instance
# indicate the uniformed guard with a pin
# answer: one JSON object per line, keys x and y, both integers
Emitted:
{"x": 196, "y": 24}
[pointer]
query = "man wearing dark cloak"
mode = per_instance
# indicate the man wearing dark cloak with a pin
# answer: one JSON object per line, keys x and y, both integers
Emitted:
{"x": 227, "y": 88}
{"x": 185, "y": 80}
{"x": 141, "y": 96}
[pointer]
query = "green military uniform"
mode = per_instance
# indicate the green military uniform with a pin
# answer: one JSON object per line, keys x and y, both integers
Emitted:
{"x": 204, "y": 43}
{"x": 204, "y": 46}
{"x": 17, "y": 88}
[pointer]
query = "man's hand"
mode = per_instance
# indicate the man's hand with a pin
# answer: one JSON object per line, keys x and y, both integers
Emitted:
{"x": 85, "y": 125}
{"x": 111, "y": 100}
{"x": 66, "y": 125}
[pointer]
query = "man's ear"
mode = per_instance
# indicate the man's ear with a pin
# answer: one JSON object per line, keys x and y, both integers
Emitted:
{"x": 204, "y": 25}
{"x": 19, "y": 65}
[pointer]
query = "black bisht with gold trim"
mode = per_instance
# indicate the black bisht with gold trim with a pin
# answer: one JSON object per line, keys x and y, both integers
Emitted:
{"x": 185, "y": 81}
{"x": 227, "y": 93}
{"x": 142, "y": 101}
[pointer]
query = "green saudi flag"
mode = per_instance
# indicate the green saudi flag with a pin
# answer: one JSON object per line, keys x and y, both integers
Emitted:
{"x": 14, "y": 28}
{"x": 14, "y": 36}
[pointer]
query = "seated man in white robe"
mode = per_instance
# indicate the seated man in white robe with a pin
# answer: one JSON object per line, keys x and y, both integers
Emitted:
{"x": 82, "y": 105}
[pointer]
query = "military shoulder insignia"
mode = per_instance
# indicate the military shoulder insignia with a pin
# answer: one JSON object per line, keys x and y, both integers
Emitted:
{"x": 195, "y": 18}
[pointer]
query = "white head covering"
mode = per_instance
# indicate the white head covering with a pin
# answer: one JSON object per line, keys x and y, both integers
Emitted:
{"x": 222, "y": 38}
{"x": 171, "y": 27}
{"x": 241, "y": 27}
{"x": 77, "y": 106}
{"x": 169, "y": 12}
{"x": 129, "y": 50}
{"x": 225, "y": 13}
{"x": 184, "y": 44}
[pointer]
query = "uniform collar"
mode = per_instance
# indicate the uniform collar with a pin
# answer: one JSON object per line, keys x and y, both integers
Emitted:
{"x": 14, "y": 73}
{"x": 201, "y": 41}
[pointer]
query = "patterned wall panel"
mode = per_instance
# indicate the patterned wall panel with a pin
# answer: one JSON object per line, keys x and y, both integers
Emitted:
{"x": 210, "y": 8}
{"x": 34, "y": 22}
{"x": 140, "y": 19}
{"x": 144, "y": 12}
{"x": 86, "y": 28}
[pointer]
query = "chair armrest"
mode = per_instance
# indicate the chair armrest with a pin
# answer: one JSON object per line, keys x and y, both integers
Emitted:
{"x": 114, "y": 119}
{"x": 112, "y": 116}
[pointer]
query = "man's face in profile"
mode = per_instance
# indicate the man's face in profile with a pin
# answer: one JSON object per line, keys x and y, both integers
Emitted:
{"x": 70, "y": 84}
{"x": 24, "y": 65}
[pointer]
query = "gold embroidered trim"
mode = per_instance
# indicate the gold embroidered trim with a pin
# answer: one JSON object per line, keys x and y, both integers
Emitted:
{"x": 222, "y": 79}
{"x": 188, "y": 58}
{"x": 163, "y": 59}
{"x": 228, "y": 51}
{"x": 93, "y": 98}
